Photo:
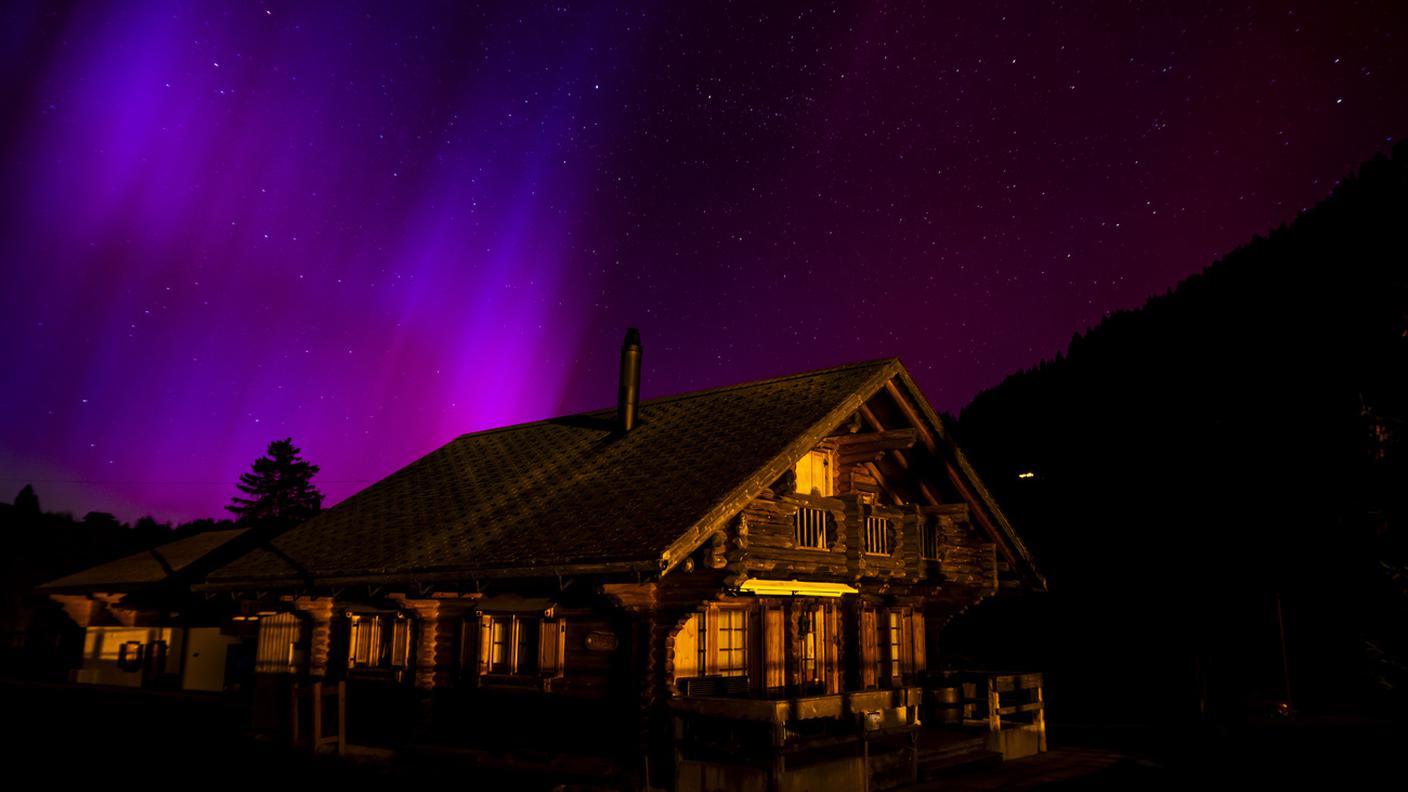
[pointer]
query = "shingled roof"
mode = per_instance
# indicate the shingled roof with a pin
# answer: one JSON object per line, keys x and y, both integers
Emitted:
{"x": 149, "y": 567}
{"x": 568, "y": 494}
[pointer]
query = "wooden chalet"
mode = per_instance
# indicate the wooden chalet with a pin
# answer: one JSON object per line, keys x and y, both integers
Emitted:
{"x": 738, "y": 588}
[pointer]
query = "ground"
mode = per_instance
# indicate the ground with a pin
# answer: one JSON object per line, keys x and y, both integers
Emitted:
{"x": 105, "y": 735}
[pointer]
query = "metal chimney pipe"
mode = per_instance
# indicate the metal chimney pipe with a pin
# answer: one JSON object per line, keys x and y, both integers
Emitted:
{"x": 628, "y": 397}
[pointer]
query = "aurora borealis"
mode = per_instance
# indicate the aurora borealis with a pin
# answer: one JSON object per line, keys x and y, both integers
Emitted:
{"x": 375, "y": 226}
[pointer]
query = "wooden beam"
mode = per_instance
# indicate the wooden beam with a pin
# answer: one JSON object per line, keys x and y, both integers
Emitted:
{"x": 868, "y": 414}
{"x": 954, "y": 476}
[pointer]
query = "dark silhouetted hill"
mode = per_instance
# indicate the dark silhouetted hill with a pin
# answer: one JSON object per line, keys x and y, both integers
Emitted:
{"x": 1233, "y": 442}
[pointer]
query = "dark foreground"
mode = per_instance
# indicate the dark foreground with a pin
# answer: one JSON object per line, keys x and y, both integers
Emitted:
{"x": 85, "y": 735}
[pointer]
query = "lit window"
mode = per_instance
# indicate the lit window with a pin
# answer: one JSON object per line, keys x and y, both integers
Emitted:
{"x": 520, "y": 646}
{"x": 896, "y": 640}
{"x": 378, "y": 640}
{"x": 713, "y": 643}
{"x": 732, "y": 642}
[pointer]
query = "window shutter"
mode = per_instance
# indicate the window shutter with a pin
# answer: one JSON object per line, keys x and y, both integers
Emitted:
{"x": 486, "y": 625}
{"x": 401, "y": 643}
{"x": 869, "y": 659}
{"x": 552, "y": 643}
{"x": 907, "y": 641}
{"x": 774, "y": 661}
{"x": 710, "y": 640}
{"x": 353, "y": 636}
{"x": 833, "y": 649}
{"x": 920, "y": 650}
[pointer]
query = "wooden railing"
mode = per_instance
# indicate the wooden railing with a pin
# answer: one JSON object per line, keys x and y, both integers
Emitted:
{"x": 1008, "y": 707}
{"x": 312, "y": 722}
{"x": 810, "y": 528}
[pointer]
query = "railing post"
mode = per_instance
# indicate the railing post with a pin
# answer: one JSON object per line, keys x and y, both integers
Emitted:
{"x": 293, "y": 712}
{"x": 994, "y": 706}
{"x": 1040, "y": 721}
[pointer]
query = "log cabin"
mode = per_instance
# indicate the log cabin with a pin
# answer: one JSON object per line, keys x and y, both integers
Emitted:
{"x": 737, "y": 588}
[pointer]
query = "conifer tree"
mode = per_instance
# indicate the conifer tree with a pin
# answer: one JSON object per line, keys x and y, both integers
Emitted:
{"x": 279, "y": 490}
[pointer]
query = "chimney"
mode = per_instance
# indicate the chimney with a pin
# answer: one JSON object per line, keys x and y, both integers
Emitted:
{"x": 628, "y": 397}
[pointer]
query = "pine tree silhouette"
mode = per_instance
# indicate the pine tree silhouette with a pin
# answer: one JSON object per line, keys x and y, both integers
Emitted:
{"x": 27, "y": 503}
{"x": 280, "y": 489}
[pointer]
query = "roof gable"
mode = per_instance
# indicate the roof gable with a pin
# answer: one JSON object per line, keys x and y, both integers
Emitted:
{"x": 571, "y": 494}
{"x": 568, "y": 493}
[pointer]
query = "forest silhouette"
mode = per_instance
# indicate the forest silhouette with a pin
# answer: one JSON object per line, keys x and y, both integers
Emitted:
{"x": 1234, "y": 443}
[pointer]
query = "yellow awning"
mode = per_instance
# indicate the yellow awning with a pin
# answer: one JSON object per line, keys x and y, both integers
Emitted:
{"x": 795, "y": 588}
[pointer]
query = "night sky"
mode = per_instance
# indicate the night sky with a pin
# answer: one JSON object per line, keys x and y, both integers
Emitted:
{"x": 373, "y": 227}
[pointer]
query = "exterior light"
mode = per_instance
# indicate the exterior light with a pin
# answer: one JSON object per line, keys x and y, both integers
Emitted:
{"x": 795, "y": 588}
{"x": 1026, "y": 475}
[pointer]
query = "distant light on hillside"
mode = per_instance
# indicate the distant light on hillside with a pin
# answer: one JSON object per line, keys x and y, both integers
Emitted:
{"x": 1027, "y": 475}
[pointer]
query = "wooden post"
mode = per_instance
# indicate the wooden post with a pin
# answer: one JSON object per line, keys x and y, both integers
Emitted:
{"x": 914, "y": 757}
{"x": 317, "y": 702}
{"x": 1040, "y": 722}
{"x": 293, "y": 709}
{"x": 994, "y": 706}
{"x": 341, "y": 717}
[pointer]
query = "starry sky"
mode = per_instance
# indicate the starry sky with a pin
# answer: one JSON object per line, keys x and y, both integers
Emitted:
{"x": 375, "y": 226}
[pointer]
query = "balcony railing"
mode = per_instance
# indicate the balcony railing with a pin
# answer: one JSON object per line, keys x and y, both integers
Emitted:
{"x": 810, "y": 524}
{"x": 876, "y": 536}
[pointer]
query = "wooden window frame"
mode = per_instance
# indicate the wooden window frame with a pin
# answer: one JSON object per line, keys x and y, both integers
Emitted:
{"x": 713, "y": 620}
{"x": 380, "y": 641}
{"x": 733, "y": 622}
{"x": 527, "y": 661}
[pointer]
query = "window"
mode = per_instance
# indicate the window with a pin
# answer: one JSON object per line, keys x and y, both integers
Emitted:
{"x": 528, "y": 647}
{"x": 280, "y": 640}
{"x": 129, "y": 655}
{"x": 814, "y": 474}
{"x": 714, "y": 643}
{"x": 378, "y": 640}
{"x": 732, "y": 643}
{"x": 876, "y": 536}
{"x": 894, "y": 655}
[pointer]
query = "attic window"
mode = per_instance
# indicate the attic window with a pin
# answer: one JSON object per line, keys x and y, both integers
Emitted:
{"x": 814, "y": 474}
